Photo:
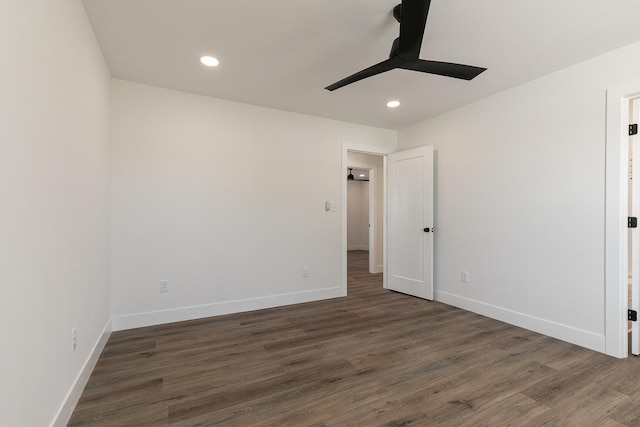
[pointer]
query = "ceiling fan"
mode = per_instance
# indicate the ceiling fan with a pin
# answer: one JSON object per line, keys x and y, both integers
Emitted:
{"x": 412, "y": 16}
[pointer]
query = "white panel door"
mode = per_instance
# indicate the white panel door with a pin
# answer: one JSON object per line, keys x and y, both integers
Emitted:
{"x": 410, "y": 222}
{"x": 635, "y": 232}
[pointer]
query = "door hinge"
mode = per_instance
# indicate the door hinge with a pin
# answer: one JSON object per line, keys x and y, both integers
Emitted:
{"x": 633, "y": 129}
{"x": 632, "y": 222}
{"x": 632, "y": 315}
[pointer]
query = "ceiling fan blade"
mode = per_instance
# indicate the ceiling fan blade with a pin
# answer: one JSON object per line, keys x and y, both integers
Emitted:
{"x": 413, "y": 19}
{"x": 448, "y": 69}
{"x": 381, "y": 67}
{"x": 405, "y": 51}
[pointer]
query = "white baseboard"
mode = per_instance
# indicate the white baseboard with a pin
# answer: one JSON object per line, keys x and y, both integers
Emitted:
{"x": 140, "y": 320}
{"x": 73, "y": 396}
{"x": 378, "y": 269}
{"x": 556, "y": 330}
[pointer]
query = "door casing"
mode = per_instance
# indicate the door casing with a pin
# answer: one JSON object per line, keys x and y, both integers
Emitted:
{"x": 376, "y": 151}
{"x": 616, "y": 212}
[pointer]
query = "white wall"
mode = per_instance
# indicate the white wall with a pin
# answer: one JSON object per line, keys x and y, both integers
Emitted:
{"x": 224, "y": 200}
{"x": 520, "y": 199}
{"x": 358, "y": 215}
{"x": 54, "y": 216}
{"x": 369, "y": 161}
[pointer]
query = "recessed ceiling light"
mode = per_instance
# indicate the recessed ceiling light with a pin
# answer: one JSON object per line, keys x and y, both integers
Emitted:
{"x": 393, "y": 104}
{"x": 209, "y": 61}
{"x": 361, "y": 175}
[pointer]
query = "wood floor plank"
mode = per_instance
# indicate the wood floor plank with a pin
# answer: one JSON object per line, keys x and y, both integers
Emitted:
{"x": 374, "y": 358}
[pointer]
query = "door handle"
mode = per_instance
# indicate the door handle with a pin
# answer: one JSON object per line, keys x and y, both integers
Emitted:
{"x": 427, "y": 230}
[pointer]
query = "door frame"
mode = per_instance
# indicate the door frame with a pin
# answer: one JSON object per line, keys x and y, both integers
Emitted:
{"x": 376, "y": 151}
{"x": 373, "y": 229}
{"x": 632, "y": 234}
{"x": 616, "y": 212}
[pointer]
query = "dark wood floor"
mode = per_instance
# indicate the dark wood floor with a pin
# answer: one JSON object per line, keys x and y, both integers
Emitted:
{"x": 373, "y": 358}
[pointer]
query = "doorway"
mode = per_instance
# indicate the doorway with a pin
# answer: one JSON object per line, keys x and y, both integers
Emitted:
{"x": 374, "y": 160}
{"x": 364, "y": 211}
{"x": 399, "y": 258}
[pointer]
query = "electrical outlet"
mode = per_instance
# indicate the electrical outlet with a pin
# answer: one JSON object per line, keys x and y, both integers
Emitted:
{"x": 464, "y": 276}
{"x": 305, "y": 272}
{"x": 164, "y": 286}
{"x": 74, "y": 339}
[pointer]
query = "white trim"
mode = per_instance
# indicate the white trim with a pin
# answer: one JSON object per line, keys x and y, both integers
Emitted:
{"x": 556, "y": 330}
{"x": 384, "y": 223}
{"x": 139, "y": 320}
{"x": 373, "y": 219}
{"x": 73, "y": 396}
{"x": 616, "y": 202}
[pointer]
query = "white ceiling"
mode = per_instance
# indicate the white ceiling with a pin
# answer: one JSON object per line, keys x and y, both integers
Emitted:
{"x": 282, "y": 53}
{"x": 359, "y": 174}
